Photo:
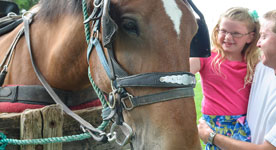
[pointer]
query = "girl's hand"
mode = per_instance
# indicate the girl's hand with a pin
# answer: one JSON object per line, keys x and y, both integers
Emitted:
{"x": 204, "y": 130}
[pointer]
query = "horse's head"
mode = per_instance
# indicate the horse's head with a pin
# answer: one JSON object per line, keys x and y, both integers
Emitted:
{"x": 143, "y": 66}
{"x": 142, "y": 37}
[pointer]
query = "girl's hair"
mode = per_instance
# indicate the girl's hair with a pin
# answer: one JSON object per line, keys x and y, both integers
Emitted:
{"x": 271, "y": 15}
{"x": 250, "y": 51}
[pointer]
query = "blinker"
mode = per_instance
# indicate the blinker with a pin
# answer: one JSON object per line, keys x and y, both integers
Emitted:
{"x": 109, "y": 25}
{"x": 200, "y": 45}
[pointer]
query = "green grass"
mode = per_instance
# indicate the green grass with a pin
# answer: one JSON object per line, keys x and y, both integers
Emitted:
{"x": 198, "y": 98}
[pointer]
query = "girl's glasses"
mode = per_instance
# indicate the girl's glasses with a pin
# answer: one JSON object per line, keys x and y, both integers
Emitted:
{"x": 233, "y": 34}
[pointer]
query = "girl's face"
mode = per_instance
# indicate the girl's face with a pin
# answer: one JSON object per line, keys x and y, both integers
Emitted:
{"x": 267, "y": 43}
{"x": 233, "y": 35}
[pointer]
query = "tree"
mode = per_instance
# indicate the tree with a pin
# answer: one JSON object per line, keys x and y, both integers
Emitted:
{"x": 25, "y": 4}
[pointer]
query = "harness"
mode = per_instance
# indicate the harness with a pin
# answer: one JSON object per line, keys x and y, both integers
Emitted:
{"x": 119, "y": 99}
{"x": 32, "y": 94}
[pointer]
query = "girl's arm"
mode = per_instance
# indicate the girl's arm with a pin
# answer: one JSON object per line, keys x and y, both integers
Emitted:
{"x": 194, "y": 65}
{"x": 228, "y": 143}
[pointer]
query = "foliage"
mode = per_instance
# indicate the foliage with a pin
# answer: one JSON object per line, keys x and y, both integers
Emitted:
{"x": 25, "y": 4}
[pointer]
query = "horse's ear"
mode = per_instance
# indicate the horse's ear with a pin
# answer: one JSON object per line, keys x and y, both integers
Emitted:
{"x": 109, "y": 27}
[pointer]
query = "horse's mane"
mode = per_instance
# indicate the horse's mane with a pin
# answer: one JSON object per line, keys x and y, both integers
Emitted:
{"x": 53, "y": 9}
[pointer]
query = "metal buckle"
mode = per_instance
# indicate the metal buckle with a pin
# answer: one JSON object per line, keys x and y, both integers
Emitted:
{"x": 125, "y": 129}
{"x": 112, "y": 99}
{"x": 28, "y": 15}
{"x": 123, "y": 100}
{"x": 95, "y": 34}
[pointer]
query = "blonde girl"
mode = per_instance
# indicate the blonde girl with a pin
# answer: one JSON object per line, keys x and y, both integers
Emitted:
{"x": 227, "y": 74}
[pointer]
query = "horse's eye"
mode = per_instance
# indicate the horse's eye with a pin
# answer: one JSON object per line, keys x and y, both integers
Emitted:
{"x": 130, "y": 26}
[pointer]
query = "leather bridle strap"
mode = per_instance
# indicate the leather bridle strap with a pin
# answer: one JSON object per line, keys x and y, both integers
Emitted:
{"x": 158, "y": 79}
{"x": 97, "y": 134}
{"x": 130, "y": 102}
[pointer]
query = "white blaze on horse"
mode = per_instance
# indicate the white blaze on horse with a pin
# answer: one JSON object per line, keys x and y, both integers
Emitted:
{"x": 138, "y": 55}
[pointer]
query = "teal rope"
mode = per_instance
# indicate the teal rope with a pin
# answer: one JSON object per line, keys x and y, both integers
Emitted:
{"x": 4, "y": 141}
{"x": 87, "y": 35}
{"x": 103, "y": 125}
{"x": 102, "y": 99}
{"x": 96, "y": 89}
{"x": 3, "y": 144}
{"x": 85, "y": 16}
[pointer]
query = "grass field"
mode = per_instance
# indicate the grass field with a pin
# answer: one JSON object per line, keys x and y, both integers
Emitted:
{"x": 198, "y": 98}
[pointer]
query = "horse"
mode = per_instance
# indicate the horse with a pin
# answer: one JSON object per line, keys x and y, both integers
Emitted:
{"x": 146, "y": 41}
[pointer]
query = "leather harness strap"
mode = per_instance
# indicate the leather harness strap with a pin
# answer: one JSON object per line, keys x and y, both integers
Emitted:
{"x": 8, "y": 26}
{"x": 36, "y": 94}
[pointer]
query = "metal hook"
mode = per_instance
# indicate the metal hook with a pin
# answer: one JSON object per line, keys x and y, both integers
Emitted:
{"x": 101, "y": 137}
{"x": 112, "y": 136}
{"x": 95, "y": 5}
{"x": 122, "y": 127}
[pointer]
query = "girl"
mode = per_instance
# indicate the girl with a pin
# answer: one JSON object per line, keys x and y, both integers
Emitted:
{"x": 227, "y": 74}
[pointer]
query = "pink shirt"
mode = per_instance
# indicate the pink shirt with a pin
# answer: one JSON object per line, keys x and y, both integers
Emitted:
{"x": 224, "y": 93}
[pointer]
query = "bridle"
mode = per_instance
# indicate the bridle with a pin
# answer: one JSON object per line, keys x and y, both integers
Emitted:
{"x": 119, "y": 99}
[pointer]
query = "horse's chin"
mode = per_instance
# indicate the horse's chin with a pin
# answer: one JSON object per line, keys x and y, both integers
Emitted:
{"x": 146, "y": 141}
{"x": 158, "y": 142}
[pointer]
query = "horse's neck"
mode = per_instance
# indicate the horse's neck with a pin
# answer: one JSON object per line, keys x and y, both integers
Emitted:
{"x": 60, "y": 51}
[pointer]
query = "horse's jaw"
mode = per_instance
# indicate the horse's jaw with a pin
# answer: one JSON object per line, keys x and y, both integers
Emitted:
{"x": 148, "y": 139}
{"x": 163, "y": 126}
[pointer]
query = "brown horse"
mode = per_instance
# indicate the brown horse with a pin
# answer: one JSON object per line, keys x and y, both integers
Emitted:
{"x": 152, "y": 36}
